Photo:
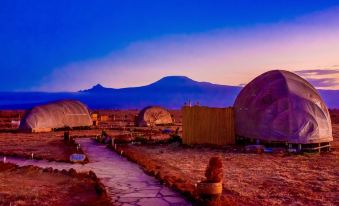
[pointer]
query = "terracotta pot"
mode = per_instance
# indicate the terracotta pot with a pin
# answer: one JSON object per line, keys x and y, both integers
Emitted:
{"x": 206, "y": 188}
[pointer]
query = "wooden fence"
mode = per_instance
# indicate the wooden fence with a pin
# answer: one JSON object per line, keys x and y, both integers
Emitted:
{"x": 204, "y": 125}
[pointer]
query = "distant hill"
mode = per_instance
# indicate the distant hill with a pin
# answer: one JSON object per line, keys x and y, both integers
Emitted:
{"x": 171, "y": 92}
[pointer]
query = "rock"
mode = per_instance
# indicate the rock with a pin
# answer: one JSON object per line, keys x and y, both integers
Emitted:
{"x": 142, "y": 194}
{"x": 65, "y": 172}
{"x": 152, "y": 201}
{"x": 92, "y": 175}
{"x": 48, "y": 169}
{"x": 174, "y": 200}
{"x": 72, "y": 172}
{"x": 128, "y": 199}
{"x": 77, "y": 157}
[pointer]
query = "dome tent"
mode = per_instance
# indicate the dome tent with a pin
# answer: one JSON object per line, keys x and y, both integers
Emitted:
{"x": 153, "y": 115}
{"x": 281, "y": 106}
{"x": 59, "y": 114}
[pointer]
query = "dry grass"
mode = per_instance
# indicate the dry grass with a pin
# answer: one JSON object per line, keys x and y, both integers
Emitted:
{"x": 49, "y": 146}
{"x": 267, "y": 179}
{"x": 335, "y": 143}
{"x": 249, "y": 179}
{"x": 33, "y": 186}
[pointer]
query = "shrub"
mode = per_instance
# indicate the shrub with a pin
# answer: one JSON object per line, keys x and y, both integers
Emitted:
{"x": 66, "y": 136}
{"x": 175, "y": 138}
{"x": 141, "y": 139}
{"x": 103, "y": 133}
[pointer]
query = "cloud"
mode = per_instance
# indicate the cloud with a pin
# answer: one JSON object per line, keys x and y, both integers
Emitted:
{"x": 324, "y": 83}
{"x": 224, "y": 56}
{"x": 321, "y": 78}
{"x": 317, "y": 72}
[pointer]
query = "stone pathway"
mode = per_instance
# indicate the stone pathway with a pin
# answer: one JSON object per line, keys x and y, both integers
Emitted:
{"x": 125, "y": 181}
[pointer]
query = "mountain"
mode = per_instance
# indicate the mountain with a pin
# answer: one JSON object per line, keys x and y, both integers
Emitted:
{"x": 171, "y": 92}
{"x": 98, "y": 88}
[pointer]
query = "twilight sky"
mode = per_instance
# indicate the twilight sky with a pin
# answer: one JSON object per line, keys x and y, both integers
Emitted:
{"x": 63, "y": 45}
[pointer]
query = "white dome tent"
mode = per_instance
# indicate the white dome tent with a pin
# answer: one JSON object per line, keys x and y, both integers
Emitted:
{"x": 154, "y": 115}
{"x": 280, "y": 106}
{"x": 59, "y": 114}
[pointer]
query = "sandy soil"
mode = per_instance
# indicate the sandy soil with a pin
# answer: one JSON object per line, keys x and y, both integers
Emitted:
{"x": 34, "y": 186}
{"x": 267, "y": 179}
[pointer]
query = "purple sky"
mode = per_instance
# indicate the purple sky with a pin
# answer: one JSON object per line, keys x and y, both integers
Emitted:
{"x": 73, "y": 45}
{"x": 224, "y": 56}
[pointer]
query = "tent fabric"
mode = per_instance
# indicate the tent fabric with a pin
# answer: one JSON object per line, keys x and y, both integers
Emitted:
{"x": 281, "y": 106}
{"x": 154, "y": 115}
{"x": 59, "y": 114}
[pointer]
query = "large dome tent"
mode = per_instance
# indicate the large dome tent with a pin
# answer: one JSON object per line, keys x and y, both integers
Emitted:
{"x": 153, "y": 115}
{"x": 281, "y": 106}
{"x": 58, "y": 114}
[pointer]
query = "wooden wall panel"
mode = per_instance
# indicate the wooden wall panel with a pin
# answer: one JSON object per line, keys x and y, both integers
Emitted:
{"x": 204, "y": 125}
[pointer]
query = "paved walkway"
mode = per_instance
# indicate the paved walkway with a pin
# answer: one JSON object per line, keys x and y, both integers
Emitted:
{"x": 125, "y": 182}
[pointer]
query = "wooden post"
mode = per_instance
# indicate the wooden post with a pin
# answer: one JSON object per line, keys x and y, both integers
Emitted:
{"x": 319, "y": 149}
{"x": 257, "y": 141}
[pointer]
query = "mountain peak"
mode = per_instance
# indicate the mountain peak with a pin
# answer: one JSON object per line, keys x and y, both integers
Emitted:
{"x": 168, "y": 78}
{"x": 98, "y": 86}
{"x": 174, "y": 80}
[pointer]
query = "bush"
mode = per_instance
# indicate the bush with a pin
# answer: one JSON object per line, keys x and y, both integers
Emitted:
{"x": 103, "y": 133}
{"x": 141, "y": 139}
{"x": 175, "y": 138}
{"x": 66, "y": 136}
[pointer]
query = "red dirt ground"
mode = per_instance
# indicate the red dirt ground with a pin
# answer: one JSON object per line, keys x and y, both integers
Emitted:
{"x": 34, "y": 186}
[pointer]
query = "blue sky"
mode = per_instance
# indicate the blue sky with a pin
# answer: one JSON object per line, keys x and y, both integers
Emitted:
{"x": 71, "y": 45}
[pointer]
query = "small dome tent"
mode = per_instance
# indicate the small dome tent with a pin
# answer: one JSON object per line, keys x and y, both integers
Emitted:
{"x": 281, "y": 106}
{"x": 153, "y": 115}
{"x": 59, "y": 114}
